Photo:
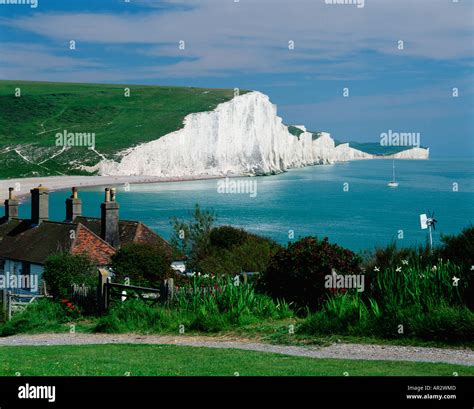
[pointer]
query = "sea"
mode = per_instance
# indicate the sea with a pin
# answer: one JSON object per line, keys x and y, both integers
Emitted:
{"x": 350, "y": 203}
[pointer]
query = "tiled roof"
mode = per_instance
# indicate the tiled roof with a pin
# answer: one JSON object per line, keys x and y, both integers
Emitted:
{"x": 86, "y": 242}
{"x": 34, "y": 244}
{"x": 130, "y": 232}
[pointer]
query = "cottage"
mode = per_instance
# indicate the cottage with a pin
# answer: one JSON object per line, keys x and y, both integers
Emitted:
{"x": 25, "y": 244}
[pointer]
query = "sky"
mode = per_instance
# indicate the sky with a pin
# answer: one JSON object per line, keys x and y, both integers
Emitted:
{"x": 302, "y": 53}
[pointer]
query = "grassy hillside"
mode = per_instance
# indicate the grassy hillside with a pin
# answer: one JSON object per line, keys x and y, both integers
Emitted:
{"x": 28, "y": 124}
{"x": 375, "y": 148}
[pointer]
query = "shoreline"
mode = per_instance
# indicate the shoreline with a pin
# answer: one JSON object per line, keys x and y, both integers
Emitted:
{"x": 54, "y": 183}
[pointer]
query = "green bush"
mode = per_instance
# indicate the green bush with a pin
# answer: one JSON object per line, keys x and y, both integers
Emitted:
{"x": 63, "y": 270}
{"x": 459, "y": 249}
{"x": 226, "y": 237}
{"x": 144, "y": 265}
{"x": 297, "y": 273}
{"x": 250, "y": 255}
{"x": 444, "y": 323}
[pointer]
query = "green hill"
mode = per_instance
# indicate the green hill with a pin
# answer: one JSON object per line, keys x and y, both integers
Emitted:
{"x": 28, "y": 124}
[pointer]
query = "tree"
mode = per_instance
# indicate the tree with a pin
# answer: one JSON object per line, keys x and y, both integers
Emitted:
{"x": 143, "y": 264}
{"x": 63, "y": 270}
{"x": 192, "y": 237}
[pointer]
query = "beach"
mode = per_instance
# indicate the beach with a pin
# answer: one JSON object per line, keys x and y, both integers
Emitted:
{"x": 22, "y": 186}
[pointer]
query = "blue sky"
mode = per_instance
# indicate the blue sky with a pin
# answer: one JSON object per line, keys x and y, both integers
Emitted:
{"x": 245, "y": 44}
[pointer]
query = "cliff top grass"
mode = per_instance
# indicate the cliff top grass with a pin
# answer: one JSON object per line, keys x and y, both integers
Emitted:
{"x": 119, "y": 122}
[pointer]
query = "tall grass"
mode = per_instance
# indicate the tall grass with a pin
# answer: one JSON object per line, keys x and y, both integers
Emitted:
{"x": 427, "y": 287}
{"x": 402, "y": 301}
{"x": 217, "y": 295}
{"x": 40, "y": 316}
{"x": 207, "y": 304}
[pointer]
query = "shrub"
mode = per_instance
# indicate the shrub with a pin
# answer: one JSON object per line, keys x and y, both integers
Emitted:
{"x": 63, "y": 270}
{"x": 459, "y": 249}
{"x": 297, "y": 273}
{"x": 251, "y": 254}
{"x": 144, "y": 265}
{"x": 444, "y": 323}
{"x": 226, "y": 237}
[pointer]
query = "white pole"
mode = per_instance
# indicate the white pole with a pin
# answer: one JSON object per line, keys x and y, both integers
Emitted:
{"x": 431, "y": 239}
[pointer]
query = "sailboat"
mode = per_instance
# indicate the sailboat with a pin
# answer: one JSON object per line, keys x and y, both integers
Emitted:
{"x": 393, "y": 183}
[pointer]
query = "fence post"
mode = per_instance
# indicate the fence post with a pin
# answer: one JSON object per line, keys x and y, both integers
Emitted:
{"x": 9, "y": 305}
{"x": 102, "y": 290}
{"x": 167, "y": 291}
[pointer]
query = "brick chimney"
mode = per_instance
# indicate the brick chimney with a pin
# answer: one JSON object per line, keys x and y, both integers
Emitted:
{"x": 73, "y": 206}
{"x": 11, "y": 206}
{"x": 39, "y": 204}
{"x": 110, "y": 219}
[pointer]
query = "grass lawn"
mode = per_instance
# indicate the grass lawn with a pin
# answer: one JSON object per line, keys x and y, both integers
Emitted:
{"x": 171, "y": 360}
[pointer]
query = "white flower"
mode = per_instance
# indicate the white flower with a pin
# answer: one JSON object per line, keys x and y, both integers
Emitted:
{"x": 399, "y": 269}
{"x": 376, "y": 268}
{"x": 434, "y": 268}
{"x": 405, "y": 262}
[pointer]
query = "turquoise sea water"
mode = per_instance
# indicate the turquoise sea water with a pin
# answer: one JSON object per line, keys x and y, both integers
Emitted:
{"x": 312, "y": 201}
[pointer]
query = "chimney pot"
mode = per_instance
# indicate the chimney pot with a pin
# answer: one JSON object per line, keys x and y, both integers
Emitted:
{"x": 107, "y": 194}
{"x": 39, "y": 204}
{"x": 110, "y": 219}
{"x": 73, "y": 206}
{"x": 11, "y": 206}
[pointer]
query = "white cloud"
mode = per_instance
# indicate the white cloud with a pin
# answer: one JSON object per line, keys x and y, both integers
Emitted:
{"x": 223, "y": 36}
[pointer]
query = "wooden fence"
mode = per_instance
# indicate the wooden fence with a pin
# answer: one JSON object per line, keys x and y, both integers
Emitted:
{"x": 108, "y": 292}
{"x": 13, "y": 303}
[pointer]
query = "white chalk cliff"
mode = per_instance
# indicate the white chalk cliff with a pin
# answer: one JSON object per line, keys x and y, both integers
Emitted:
{"x": 243, "y": 136}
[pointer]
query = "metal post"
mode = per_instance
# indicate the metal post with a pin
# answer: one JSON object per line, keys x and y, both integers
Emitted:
{"x": 431, "y": 239}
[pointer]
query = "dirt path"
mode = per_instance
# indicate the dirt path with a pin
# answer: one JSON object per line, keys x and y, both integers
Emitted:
{"x": 339, "y": 350}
